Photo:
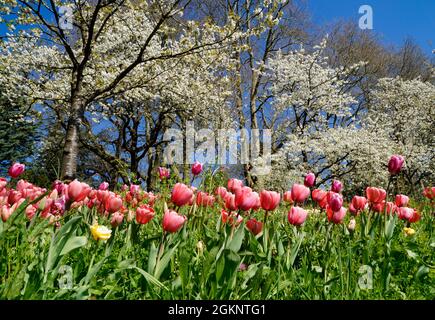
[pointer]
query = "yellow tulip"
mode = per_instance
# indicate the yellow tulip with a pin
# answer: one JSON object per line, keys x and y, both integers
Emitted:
{"x": 409, "y": 231}
{"x": 100, "y": 232}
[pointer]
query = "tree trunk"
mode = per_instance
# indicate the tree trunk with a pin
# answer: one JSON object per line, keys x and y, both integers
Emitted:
{"x": 71, "y": 147}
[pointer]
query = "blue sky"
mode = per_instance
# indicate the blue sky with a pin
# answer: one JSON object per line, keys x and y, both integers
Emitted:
{"x": 393, "y": 20}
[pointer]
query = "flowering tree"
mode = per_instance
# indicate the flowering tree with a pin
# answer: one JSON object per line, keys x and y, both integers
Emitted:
{"x": 403, "y": 110}
{"x": 109, "y": 52}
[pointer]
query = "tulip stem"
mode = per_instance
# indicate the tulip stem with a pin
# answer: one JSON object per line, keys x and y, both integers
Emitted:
{"x": 161, "y": 248}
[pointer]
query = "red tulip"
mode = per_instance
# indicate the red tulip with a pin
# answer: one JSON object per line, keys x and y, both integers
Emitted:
{"x": 309, "y": 180}
{"x": 320, "y": 196}
{"x": 197, "y": 168}
{"x": 181, "y": 194}
{"x": 144, "y": 214}
{"x": 297, "y": 216}
{"x": 164, "y": 173}
{"x": 395, "y": 164}
{"x": 116, "y": 220}
{"x": 299, "y": 193}
{"x": 429, "y": 193}
{"x": 336, "y": 186}
{"x": 254, "y": 226}
{"x": 16, "y": 169}
{"x": 234, "y": 184}
{"x": 378, "y": 207}
{"x": 172, "y": 221}
{"x": 415, "y": 217}
{"x": 269, "y": 200}
{"x": 375, "y": 195}
{"x": 336, "y": 216}
{"x": 401, "y": 200}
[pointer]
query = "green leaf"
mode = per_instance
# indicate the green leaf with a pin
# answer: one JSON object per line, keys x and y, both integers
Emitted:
{"x": 421, "y": 272}
{"x": 73, "y": 243}
{"x": 149, "y": 278}
{"x": 162, "y": 264}
{"x": 152, "y": 258}
{"x": 236, "y": 243}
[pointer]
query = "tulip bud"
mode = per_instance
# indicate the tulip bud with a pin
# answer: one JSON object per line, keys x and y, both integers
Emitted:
{"x": 309, "y": 180}
{"x": 336, "y": 186}
{"x": 197, "y": 168}
{"x": 351, "y": 226}
{"x": 395, "y": 164}
{"x": 16, "y": 169}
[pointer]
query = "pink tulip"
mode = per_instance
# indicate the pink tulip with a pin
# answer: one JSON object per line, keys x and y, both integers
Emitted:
{"x": 231, "y": 218}
{"x": 181, "y": 194}
{"x": 358, "y": 204}
{"x": 299, "y": 193}
{"x": 3, "y": 183}
{"x": 391, "y": 208}
{"x": 103, "y": 186}
{"x": 297, "y": 216}
{"x": 164, "y": 173}
{"x": 30, "y": 212}
{"x": 113, "y": 204}
{"x": 336, "y": 216}
{"x": 245, "y": 198}
{"x": 405, "y": 213}
{"x": 320, "y": 196}
{"x": 197, "y": 168}
{"x": 234, "y": 184}
{"x": 254, "y": 226}
{"x": 395, "y": 164}
{"x": 6, "y": 212}
{"x": 269, "y": 200}
{"x": 144, "y": 214}
{"x": 77, "y": 191}
{"x": 134, "y": 189}
{"x": 14, "y": 197}
{"x": 230, "y": 201}
{"x": 16, "y": 169}
{"x": 375, "y": 195}
{"x": 287, "y": 197}
{"x": 172, "y": 221}
{"x": 336, "y": 186}
{"x": 116, "y": 220}
{"x": 309, "y": 180}
{"x": 401, "y": 200}
{"x": 204, "y": 199}
{"x": 335, "y": 201}
{"x": 221, "y": 192}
